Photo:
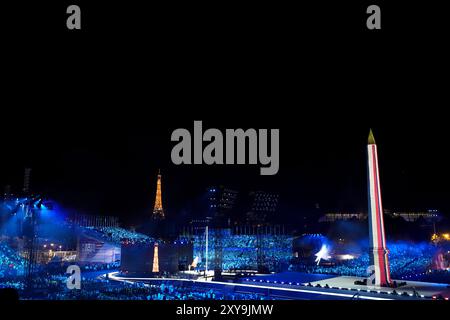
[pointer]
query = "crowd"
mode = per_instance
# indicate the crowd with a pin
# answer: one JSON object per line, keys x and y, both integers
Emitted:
{"x": 96, "y": 289}
{"x": 53, "y": 287}
{"x": 405, "y": 260}
{"x": 100, "y": 266}
{"x": 436, "y": 276}
{"x": 11, "y": 264}
{"x": 117, "y": 235}
{"x": 240, "y": 252}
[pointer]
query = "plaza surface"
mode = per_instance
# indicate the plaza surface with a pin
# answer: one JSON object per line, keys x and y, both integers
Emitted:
{"x": 278, "y": 291}
{"x": 422, "y": 289}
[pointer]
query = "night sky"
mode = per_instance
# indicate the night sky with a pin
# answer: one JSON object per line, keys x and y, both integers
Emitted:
{"x": 93, "y": 114}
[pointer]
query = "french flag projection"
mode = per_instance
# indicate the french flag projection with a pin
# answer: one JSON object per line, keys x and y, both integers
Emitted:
{"x": 379, "y": 252}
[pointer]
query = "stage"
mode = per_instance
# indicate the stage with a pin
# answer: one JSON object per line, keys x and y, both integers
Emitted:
{"x": 423, "y": 289}
{"x": 280, "y": 291}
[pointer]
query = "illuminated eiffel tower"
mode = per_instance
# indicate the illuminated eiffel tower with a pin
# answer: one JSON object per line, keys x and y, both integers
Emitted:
{"x": 155, "y": 267}
{"x": 158, "y": 212}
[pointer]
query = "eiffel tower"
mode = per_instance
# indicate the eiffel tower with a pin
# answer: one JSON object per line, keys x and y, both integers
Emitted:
{"x": 158, "y": 212}
{"x": 155, "y": 268}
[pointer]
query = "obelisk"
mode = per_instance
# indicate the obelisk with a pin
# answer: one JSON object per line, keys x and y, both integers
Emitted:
{"x": 379, "y": 252}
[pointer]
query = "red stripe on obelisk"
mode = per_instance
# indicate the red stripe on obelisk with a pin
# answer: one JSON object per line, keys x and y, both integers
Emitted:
{"x": 378, "y": 215}
{"x": 377, "y": 209}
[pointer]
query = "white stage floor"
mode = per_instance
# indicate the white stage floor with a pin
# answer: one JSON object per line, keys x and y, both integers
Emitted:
{"x": 422, "y": 288}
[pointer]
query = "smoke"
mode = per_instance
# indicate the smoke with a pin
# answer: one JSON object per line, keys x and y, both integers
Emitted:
{"x": 323, "y": 254}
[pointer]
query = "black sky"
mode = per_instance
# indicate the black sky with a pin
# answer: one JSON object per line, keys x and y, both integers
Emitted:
{"x": 92, "y": 113}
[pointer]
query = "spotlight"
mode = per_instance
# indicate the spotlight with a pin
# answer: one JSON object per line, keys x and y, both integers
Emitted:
{"x": 39, "y": 204}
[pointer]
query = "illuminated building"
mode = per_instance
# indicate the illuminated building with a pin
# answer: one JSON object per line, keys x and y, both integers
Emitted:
{"x": 379, "y": 252}
{"x": 409, "y": 216}
{"x": 337, "y": 216}
{"x": 263, "y": 206}
{"x": 221, "y": 201}
{"x": 158, "y": 212}
{"x": 440, "y": 237}
{"x": 429, "y": 215}
{"x": 85, "y": 220}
